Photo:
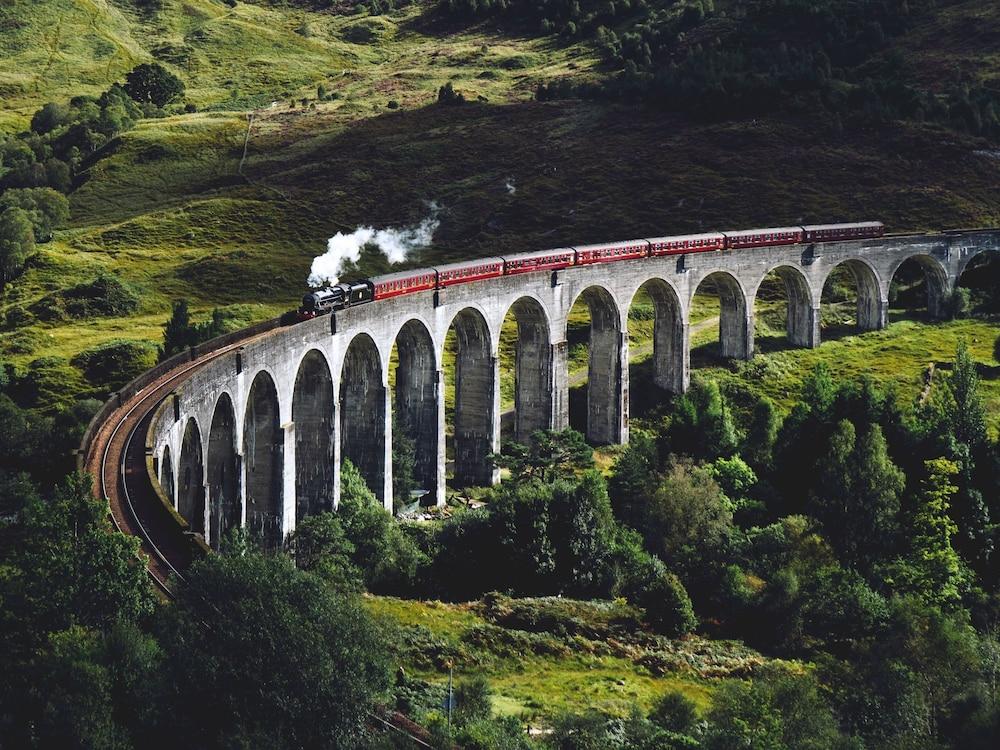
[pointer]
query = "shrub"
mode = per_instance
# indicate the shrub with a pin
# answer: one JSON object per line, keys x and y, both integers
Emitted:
{"x": 115, "y": 363}
{"x": 448, "y": 96}
{"x": 105, "y": 296}
{"x": 668, "y": 606}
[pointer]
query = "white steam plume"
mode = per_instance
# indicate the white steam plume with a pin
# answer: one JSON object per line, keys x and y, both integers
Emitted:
{"x": 397, "y": 244}
{"x": 510, "y": 187}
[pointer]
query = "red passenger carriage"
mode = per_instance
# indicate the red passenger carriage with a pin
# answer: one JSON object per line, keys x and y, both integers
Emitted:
{"x": 587, "y": 254}
{"x": 687, "y": 243}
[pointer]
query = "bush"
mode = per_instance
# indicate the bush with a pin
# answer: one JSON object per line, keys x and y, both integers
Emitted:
{"x": 958, "y": 303}
{"x": 448, "y": 96}
{"x": 105, "y": 296}
{"x": 115, "y": 363}
{"x": 667, "y": 604}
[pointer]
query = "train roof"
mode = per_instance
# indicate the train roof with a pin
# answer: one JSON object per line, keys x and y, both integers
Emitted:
{"x": 538, "y": 253}
{"x": 599, "y": 245}
{"x": 685, "y": 237}
{"x": 467, "y": 263}
{"x": 401, "y": 275}
{"x": 760, "y": 230}
{"x": 821, "y": 227}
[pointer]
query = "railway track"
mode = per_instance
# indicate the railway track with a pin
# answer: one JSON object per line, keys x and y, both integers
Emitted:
{"x": 116, "y": 459}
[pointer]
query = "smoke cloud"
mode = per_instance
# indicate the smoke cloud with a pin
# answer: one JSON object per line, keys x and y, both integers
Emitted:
{"x": 397, "y": 244}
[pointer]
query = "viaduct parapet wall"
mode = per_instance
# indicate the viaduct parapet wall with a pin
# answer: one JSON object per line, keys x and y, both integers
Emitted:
{"x": 256, "y": 437}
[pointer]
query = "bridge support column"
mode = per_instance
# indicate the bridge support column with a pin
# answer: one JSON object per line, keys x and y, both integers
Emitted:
{"x": 335, "y": 455}
{"x": 288, "y": 481}
{"x": 607, "y": 387}
{"x": 672, "y": 357}
{"x": 387, "y": 495}
{"x": 803, "y": 326}
{"x": 560, "y": 386}
{"x": 495, "y": 419}
{"x": 873, "y": 313}
{"x": 441, "y": 450}
{"x": 736, "y": 332}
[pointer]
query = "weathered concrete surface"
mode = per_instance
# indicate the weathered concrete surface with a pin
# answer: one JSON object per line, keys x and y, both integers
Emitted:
{"x": 293, "y": 433}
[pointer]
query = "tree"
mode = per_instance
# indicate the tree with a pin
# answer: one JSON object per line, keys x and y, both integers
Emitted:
{"x": 177, "y": 334}
{"x": 320, "y": 546}
{"x": 388, "y": 558}
{"x": 688, "y": 520}
{"x": 633, "y": 479}
{"x": 74, "y": 568}
{"x": 17, "y": 242}
{"x": 152, "y": 83}
{"x": 703, "y": 425}
{"x": 260, "y": 654}
{"x": 933, "y": 570}
{"x": 857, "y": 497}
{"x": 549, "y": 454}
{"x": 779, "y": 711}
{"x": 47, "y": 208}
{"x": 964, "y": 408}
{"x": 582, "y": 531}
{"x": 758, "y": 446}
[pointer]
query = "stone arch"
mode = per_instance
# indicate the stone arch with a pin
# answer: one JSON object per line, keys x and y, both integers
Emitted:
{"x": 415, "y": 406}
{"x": 871, "y": 310}
{"x": 735, "y": 319}
{"x": 671, "y": 347}
{"x": 533, "y": 387}
{"x": 167, "y": 476}
{"x": 191, "y": 479}
{"x": 362, "y": 412}
{"x": 802, "y": 314}
{"x": 224, "y": 507}
{"x": 475, "y": 399}
{"x": 606, "y": 385}
{"x": 935, "y": 279}
{"x": 263, "y": 458}
{"x": 313, "y": 418}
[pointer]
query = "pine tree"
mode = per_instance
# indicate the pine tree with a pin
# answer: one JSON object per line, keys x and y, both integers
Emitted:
{"x": 857, "y": 498}
{"x": 933, "y": 569}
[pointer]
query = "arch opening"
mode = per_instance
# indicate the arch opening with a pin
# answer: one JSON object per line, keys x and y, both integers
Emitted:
{"x": 263, "y": 451}
{"x": 526, "y": 369}
{"x": 191, "y": 479}
{"x": 719, "y": 296}
{"x": 918, "y": 286}
{"x": 655, "y": 313}
{"x": 362, "y": 412}
{"x": 312, "y": 415}
{"x": 472, "y": 384}
{"x": 224, "y": 505}
{"x": 855, "y": 279}
{"x": 980, "y": 277}
{"x": 783, "y": 302}
{"x": 167, "y": 476}
{"x": 415, "y": 429}
{"x": 601, "y": 344}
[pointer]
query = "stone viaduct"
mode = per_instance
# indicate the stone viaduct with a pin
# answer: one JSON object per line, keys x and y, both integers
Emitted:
{"x": 256, "y": 437}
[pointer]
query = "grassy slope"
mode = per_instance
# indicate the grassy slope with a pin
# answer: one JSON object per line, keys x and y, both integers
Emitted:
{"x": 603, "y": 674}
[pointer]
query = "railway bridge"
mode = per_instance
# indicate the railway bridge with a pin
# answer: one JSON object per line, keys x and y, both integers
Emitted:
{"x": 251, "y": 430}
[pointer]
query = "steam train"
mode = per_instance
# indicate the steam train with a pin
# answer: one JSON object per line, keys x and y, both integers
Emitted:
{"x": 426, "y": 279}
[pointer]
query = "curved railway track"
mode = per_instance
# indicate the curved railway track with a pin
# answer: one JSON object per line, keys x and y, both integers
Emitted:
{"x": 116, "y": 459}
